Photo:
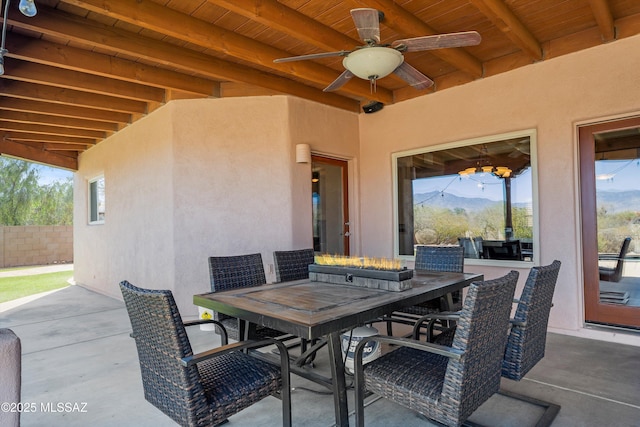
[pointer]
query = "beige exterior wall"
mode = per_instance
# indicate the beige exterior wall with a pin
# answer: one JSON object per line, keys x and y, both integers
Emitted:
{"x": 552, "y": 97}
{"x": 35, "y": 245}
{"x": 218, "y": 177}
{"x": 200, "y": 178}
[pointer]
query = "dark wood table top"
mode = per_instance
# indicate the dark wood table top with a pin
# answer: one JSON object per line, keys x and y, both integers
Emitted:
{"x": 314, "y": 309}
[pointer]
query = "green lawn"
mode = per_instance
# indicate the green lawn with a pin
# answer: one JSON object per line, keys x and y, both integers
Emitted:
{"x": 21, "y": 286}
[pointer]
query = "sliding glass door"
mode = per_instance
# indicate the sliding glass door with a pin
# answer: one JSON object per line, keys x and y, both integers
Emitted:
{"x": 610, "y": 198}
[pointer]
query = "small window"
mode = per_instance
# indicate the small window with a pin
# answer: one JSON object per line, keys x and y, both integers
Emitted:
{"x": 96, "y": 200}
{"x": 479, "y": 194}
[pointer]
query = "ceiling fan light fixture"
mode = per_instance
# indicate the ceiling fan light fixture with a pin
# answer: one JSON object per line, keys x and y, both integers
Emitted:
{"x": 503, "y": 171}
{"x": 28, "y": 8}
{"x": 372, "y": 63}
{"x": 467, "y": 172}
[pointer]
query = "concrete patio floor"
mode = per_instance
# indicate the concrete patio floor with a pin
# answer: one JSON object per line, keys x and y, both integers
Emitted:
{"x": 77, "y": 350}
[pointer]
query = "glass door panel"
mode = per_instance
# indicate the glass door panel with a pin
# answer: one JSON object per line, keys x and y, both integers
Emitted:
{"x": 330, "y": 205}
{"x": 610, "y": 167}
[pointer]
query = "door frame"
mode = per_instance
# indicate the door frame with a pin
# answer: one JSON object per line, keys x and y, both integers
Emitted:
{"x": 594, "y": 311}
{"x": 344, "y": 167}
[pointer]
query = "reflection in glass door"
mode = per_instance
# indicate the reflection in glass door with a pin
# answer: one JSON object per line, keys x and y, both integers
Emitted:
{"x": 610, "y": 167}
{"x": 330, "y": 205}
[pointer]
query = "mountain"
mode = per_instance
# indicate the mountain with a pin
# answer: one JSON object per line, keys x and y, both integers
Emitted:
{"x": 451, "y": 201}
{"x": 614, "y": 201}
{"x": 619, "y": 201}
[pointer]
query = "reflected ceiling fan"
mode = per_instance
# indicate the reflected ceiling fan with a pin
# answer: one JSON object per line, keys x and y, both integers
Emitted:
{"x": 374, "y": 61}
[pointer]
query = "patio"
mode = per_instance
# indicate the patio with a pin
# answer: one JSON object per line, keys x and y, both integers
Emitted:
{"x": 76, "y": 348}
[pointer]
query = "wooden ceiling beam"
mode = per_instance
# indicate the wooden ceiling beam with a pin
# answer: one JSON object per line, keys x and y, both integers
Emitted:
{"x": 23, "y": 117}
{"x": 18, "y": 136}
{"x": 33, "y": 154}
{"x": 293, "y": 23}
{"x": 289, "y": 21}
{"x": 157, "y": 17}
{"x": 505, "y": 20}
{"x": 58, "y": 77}
{"x": 604, "y": 18}
{"x": 51, "y": 130}
{"x": 67, "y": 96}
{"x": 62, "y": 110}
{"x": 404, "y": 22}
{"x": 49, "y": 146}
{"x": 95, "y": 35}
{"x": 70, "y": 58}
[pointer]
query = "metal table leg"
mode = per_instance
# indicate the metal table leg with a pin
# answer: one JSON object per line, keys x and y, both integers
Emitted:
{"x": 338, "y": 381}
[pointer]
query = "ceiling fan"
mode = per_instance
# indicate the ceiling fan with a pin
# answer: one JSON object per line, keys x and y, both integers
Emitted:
{"x": 374, "y": 61}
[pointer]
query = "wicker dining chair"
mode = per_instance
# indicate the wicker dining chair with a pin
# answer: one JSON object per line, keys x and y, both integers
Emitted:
{"x": 528, "y": 333}
{"x": 293, "y": 265}
{"x": 198, "y": 389}
{"x": 233, "y": 272}
{"x": 432, "y": 258}
{"x": 445, "y": 384}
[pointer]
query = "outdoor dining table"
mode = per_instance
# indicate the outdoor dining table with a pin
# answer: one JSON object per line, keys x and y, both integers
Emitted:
{"x": 314, "y": 310}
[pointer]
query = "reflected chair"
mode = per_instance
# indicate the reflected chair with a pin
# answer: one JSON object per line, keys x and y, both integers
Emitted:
{"x": 432, "y": 258}
{"x": 471, "y": 248}
{"x": 506, "y": 250}
{"x": 614, "y": 274}
{"x": 233, "y": 272}
{"x": 445, "y": 384}
{"x": 198, "y": 389}
{"x": 527, "y": 335}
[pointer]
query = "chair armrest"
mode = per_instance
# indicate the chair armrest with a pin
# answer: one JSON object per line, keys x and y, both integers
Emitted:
{"x": 431, "y": 319}
{"x": 224, "y": 335}
{"x": 241, "y": 345}
{"x": 404, "y": 342}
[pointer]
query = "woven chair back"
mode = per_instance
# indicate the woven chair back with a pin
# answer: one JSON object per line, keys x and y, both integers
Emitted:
{"x": 233, "y": 272}
{"x": 481, "y": 334}
{"x": 293, "y": 265}
{"x": 528, "y": 337}
{"x": 239, "y": 271}
{"x": 440, "y": 258}
{"x": 161, "y": 341}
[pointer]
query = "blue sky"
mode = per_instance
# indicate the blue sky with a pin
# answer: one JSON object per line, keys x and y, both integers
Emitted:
{"x": 49, "y": 174}
{"x": 618, "y": 175}
{"x": 480, "y": 185}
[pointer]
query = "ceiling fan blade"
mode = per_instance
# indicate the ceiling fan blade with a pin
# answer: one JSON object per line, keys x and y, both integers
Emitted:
{"x": 412, "y": 76}
{"x": 367, "y": 23}
{"x": 313, "y": 56}
{"x": 439, "y": 41}
{"x": 339, "y": 82}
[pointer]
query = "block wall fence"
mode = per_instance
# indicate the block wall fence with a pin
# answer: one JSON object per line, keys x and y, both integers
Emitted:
{"x": 36, "y": 245}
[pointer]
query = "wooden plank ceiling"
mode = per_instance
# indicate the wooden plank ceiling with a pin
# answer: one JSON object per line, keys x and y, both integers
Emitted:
{"x": 81, "y": 70}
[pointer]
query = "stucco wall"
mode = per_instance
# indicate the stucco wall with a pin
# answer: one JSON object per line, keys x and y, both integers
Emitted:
{"x": 218, "y": 176}
{"x": 199, "y": 178}
{"x": 136, "y": 240}
{"x": 551, "y": 97}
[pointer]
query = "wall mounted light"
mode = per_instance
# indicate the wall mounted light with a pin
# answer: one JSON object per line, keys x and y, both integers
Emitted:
{"x": 303, "y": 153}
{"x": 28, "y": 8}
